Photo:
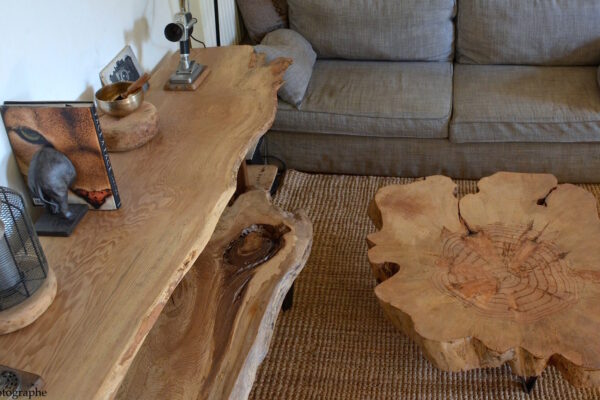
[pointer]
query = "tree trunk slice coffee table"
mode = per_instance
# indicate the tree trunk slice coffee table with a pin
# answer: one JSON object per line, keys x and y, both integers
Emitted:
{"x": 210, "y": 339}
{"x": 510, "y": 274}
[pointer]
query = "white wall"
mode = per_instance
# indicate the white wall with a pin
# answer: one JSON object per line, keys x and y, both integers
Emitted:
{"x": 53, "y": 50}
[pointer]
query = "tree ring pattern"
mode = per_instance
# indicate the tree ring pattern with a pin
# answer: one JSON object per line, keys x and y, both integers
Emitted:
{"x": 506, "y": 272}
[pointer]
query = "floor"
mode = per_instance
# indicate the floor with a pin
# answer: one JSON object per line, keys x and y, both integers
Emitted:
{"x": 335, "y": 342}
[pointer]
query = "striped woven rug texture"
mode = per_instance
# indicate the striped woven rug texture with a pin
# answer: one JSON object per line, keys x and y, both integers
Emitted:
{"x": 335, "y": 342}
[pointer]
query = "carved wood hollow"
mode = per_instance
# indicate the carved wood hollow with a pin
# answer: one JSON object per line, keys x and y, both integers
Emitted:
{"x": 506, "y": 272}
{"x": 255, "y": 245}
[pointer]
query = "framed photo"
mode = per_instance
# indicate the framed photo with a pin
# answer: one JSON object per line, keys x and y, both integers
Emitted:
{"x": 124, "y": 67}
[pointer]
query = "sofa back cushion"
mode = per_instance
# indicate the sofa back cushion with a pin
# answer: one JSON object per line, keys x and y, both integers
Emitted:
{"x": 530, "y": 32}
{"x": 262, "y": 16}
{"x": 407, "y": 30}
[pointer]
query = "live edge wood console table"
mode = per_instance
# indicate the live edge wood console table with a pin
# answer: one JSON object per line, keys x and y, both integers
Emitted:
{"x": 119, "y": 269}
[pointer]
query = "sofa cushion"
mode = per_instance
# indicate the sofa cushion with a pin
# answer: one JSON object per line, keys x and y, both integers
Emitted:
{"x": 525, "y": 104}
{"x": 337, "y": 154}
{"x": 369, "y": 98}
{"x": 286, "y": 43}
{"x": 528, "y": 32}
{"x": 263, "y": 16}
{"x": 409, "y": 30}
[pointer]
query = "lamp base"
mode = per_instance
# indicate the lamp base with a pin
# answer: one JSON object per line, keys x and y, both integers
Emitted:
{"x": 27, "y": 312}
{"x": 186, "y": 76}
{"x": 169, "y": 85}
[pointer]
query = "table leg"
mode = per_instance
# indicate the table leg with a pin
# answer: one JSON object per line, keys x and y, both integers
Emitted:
{"x": 528, "y": 383}
{"x": 288, "y": 301}
{"x": 243, "y": 183}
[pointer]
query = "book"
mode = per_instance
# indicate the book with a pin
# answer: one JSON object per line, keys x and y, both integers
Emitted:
{"x": 73, "y": 129}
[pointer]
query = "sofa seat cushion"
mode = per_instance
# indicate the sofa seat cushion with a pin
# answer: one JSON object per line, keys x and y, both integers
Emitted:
{"x": 525, "y": 104}
{"x": 380, "y": 99}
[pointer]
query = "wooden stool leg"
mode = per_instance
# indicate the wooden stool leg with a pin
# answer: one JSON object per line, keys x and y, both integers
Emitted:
{"x": 288, "y": 301}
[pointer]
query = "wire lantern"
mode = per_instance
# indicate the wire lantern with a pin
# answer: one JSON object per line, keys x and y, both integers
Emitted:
{"x": 23, "y": 266}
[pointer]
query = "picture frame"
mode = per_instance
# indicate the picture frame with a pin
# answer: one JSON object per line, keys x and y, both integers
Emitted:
{"x": 124, "y": 67}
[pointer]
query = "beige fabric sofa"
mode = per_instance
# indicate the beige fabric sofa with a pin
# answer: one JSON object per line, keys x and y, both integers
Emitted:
{"x": 462, "y": 88}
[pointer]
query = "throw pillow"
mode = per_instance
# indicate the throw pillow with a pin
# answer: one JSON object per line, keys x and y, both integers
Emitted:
{"x": 263, "y": 16}
{"x": 290, "y": 44}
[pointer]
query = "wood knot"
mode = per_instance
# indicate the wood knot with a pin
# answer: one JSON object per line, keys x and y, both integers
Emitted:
{"x": 255, "y": 245}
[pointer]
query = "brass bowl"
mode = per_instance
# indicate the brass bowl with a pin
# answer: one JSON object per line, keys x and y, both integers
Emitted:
{"x": 105, "y": 99}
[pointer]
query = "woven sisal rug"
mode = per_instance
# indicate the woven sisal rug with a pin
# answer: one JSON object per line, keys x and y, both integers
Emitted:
{"x": 335, "y": 342}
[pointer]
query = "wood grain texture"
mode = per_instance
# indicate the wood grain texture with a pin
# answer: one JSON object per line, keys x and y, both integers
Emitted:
{"x": 212, "y": 336}
{"x": 510, "y": 274}
{"x": 261, "y": 176}
{"x": 117, "y": 271}
{"x": 132, "y": 131}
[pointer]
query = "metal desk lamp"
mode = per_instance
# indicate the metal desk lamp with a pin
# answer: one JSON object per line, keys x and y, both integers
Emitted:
{"x": 181, "y": 31}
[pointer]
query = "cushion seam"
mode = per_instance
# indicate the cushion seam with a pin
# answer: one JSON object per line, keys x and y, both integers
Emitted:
{"x": 361, "y": 134}
{"x": 442, "y": 118}
{"x": 458, "y": 141}
{"x": 454, "y": 122}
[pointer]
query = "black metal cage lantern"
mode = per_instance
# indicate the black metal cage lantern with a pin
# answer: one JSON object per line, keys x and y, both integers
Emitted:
{"x": 23, "y": 266}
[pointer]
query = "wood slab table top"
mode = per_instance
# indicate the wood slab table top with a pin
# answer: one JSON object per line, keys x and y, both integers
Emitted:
{"x": 510, "y": 274}
{"x": 215, "y": 331}
{"x": 118, "y": 269}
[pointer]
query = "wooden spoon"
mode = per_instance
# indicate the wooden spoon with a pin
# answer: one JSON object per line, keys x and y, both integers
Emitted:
{"x": 134, "y": 87}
